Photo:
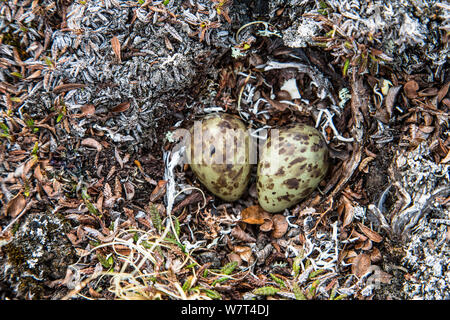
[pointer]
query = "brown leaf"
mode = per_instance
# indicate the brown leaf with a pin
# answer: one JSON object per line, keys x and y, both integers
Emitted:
{"x": 253, "y": 215}
{"x": 267, "y": 225}
{"x": 375, "y": 255}
{"x": 116, "y": 47}
{"x": 68, "y": 87}
{"x": 84, "y": 219}
{"x": 94, "y": 293}
{"x": 383, "y": 277}
{"x": 355, "y": 234}
{"x": 27, "y": 167}
{"x": 16, "y": 205}
{"x": 364, "y": 163}
{"x": 90, "y": 142}
{"x": 390, "y": 99}
{"x": 361, "y": 265}
{"x": 129, "y": 190}
{"x": 34, "y": 75}
{"x": 193, "y": 198}
{"x": 86, "y": 110}
{"x": 372, "y": 235}
{"x": 428, "y": 92}
{"x": 349, "y": 212}
{"x": 367, "y": 245}
{"x": 48, "y": 190}
{"x": 121, "y": 107}
{"x": 280, "y": 226}
{"x": 447, "y": 158}
{"x": 234, "y": 257}
{"x": 446, "y": 101}
{"x": 244, "y": 252}
{"x": 109, "y": 199}
{"x": 274, "y": 103}
{"x": 118, "y": 157}
{"x": 168, "y": 44}
{"x": 117, "y": 188}
{"x": 130, "y": 215}
{"x": 411, "y": 88}
{"x": 38, "y": 173}
{"x": 426, "y": 129}
{"x": 443, "y": 92}
{"x": 240, "y": 234}
{"x": 159, "y": 190}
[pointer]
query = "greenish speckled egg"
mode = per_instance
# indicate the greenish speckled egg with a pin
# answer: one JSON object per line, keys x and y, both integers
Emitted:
{"x": 292, "y": 163}
{"x": 218, "y": 154}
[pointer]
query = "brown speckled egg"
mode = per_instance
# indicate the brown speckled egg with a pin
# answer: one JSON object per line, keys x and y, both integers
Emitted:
{"x": 219, "y": 155}
{"x": 288, "y": 171}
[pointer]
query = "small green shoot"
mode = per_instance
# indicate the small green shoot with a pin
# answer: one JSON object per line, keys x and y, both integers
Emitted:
{"x": 228, "y": 268}
{"x": 278, "y": 281}
{"x": 266, "y": 291}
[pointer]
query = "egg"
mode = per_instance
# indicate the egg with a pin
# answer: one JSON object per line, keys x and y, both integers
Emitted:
{"x": 219, "y": 155}
{"x": 293, "y": 161}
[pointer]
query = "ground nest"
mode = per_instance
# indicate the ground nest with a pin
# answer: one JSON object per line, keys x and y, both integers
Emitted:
{"x": 98, "y": 204}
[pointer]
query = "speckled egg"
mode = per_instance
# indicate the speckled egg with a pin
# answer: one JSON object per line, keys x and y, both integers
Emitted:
{"x": 292, "y": 162}
{"x": 219, "y": 156}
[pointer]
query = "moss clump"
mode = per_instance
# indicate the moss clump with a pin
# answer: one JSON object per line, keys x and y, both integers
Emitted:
{"x": 39, "y": 253}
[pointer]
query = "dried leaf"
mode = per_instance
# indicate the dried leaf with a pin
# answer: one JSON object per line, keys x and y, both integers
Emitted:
{"x": 426, "y": 129}
{"x": 280, "y": 226}
{"x": 428, "y": 92}
{"x": 240, "y": 234}
{"x": 275, "y": 104}
{"x": 383, "y": 277}
{"x": 68, "y": 87}
{"x": 361, "y": 265}
{"x": 118, "y": 157}
{"x": 234, "y": 257}
{"x": 447, "y": 158}
{"x": 367, "y": 245}
{"x": 267, "y": 225}
{"x": 121, "y": 107}
{"x": 16, "y": 205}
{"x": 116, "y": 47}
{"x": 117, "y": 188}
{"x": 244, "y": 252}
{"x": 109, "y": 199}
{"x": 34, "y": 75}
{"x": 90, "y": 142}
{"x": 349, "y": 212}
{"x": 159, "y": 190}
{"x": 355, "y": 234}
{"x": 390, "y": 99}
{"x": 38, "y": 173}
{"x": 443, "y": 92}
{"x": 129, "y": 190}
{"x": 84, "y": 219}
{"x": 253, "y": 215}
{"x": 375, "y": 255}
{"x": 28, "y": 165}
{"x": 86, "y": 110}
{"x": 446, "y": 101}
{"x": 364, "y": 163}
{"x": 372, "y": 235}
{"x": 411, "y": 88}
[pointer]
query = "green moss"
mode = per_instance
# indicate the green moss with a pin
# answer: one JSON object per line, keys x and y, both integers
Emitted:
{"x": 29, "y": 286}
{"x": 16, "y": 255}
